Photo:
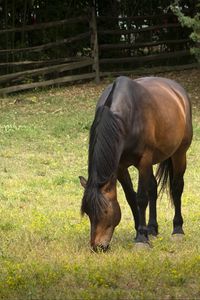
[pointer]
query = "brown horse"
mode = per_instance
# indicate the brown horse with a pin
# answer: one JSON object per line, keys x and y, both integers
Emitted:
{"x": 141, "y": 123}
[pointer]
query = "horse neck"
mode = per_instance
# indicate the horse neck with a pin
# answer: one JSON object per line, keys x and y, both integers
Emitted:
{"x": 105, "y": 150}
{"x": 103, "y": 170}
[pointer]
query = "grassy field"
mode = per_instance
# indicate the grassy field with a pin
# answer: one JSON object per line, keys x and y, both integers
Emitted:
{"x": 44, "y": 242}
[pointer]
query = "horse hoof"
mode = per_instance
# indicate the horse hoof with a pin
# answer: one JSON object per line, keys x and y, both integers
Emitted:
{"x": 177, "y": 236}
{"x": 152, "y": 231}
{"x": 153, "y": 237}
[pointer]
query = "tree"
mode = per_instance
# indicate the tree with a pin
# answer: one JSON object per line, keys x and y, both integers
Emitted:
{"x": 190, "y": 22}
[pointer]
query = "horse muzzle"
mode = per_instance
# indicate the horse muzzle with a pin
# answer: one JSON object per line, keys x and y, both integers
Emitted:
{"x": 99, "y": 248}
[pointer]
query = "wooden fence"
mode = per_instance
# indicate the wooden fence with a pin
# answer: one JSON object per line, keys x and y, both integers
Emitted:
{"x": 143, "y": 42}
{"x": 135, "y": 42}
{"x": 40, "y": 73}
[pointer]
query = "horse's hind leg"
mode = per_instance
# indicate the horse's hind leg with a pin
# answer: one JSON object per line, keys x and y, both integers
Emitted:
{"x": 176, "y": 187}
{"x": 125, "y": 180}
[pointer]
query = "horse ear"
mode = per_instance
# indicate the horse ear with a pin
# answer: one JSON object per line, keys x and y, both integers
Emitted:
{"x": 83, "y": 181}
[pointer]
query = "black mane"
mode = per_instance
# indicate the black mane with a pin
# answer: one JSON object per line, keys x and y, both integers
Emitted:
{"x": 103, "y": 158}
{"x": 103, "y": 146}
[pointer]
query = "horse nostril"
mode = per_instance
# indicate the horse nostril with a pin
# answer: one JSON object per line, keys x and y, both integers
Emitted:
{"x": 100, "y": 248}
{"x": 105, "y": 248}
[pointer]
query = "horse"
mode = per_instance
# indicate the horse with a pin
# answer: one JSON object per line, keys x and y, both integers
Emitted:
{"x": 140, "y": 123}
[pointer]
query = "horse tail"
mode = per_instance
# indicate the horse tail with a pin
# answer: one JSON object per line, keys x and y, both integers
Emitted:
{"x": 164, "y": 176}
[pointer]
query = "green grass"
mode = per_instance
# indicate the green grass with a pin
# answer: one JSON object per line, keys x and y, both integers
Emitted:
{"x": 44, "y": 242}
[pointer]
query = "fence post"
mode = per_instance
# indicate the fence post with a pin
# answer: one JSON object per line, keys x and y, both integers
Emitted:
{"x": 94, "y": 44}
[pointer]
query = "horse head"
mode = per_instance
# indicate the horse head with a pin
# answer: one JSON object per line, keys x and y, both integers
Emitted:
{"x": 104, "y": 213}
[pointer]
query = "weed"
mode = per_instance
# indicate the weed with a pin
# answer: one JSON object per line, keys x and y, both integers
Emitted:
{"x": 44, "y": 242}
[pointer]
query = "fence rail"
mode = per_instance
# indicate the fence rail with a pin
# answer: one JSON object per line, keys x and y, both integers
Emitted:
{"x": 47, "y": 70}
{"x": 46, "y": 62}
{"x": 145, "y": 58}
{"x": 45, "y": 25}
{"x": 138, "y": 30}
{"x": 51, "y": 82}
{"x": 69, "y": 40}
{"x": 136, "y": 18}
{"x": 141, "y": 45}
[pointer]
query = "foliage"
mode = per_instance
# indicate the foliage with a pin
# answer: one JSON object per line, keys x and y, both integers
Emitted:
{"x": 190, "y": 22}
{"x": 44, "y": 251}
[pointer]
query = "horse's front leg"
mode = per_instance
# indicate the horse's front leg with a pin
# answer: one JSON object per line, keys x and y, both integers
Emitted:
{"x": 144, "y": 189}
{"x": 125, "y": 180}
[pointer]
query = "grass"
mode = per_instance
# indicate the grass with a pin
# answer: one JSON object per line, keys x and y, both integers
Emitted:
{"x": 44, "y": 251}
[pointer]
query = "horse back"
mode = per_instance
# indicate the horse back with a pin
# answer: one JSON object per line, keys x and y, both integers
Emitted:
{"x": 167, "y": 110}
{"x": 156, "y": 115}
